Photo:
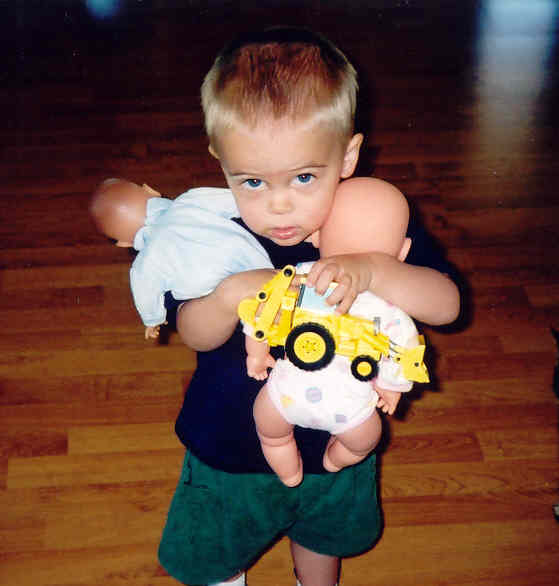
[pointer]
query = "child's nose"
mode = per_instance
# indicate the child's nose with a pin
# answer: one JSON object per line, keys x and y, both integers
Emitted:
{"x": 280, "y": 203}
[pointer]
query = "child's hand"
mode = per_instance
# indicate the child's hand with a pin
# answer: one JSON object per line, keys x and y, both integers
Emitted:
{"x": 257, "y": 366}
{"x": 352, "y": 272}
{"x": 388, "y": 400}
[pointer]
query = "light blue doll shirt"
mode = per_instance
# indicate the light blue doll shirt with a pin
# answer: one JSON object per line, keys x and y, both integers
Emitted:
{"x": 188, "y": 246}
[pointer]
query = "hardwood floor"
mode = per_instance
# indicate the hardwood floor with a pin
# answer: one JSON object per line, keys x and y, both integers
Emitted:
{"x": 460, "y": 107}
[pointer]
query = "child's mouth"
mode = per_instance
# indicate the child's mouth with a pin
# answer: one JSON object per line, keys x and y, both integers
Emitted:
{"x": 284, "y": 233}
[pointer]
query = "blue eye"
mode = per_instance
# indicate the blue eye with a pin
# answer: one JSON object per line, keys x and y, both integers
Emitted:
{"x": 305, "y": 177}
{"x": 253, "y": 183}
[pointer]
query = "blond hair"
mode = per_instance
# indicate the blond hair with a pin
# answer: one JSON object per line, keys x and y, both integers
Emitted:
{"x": 280, "y": 73}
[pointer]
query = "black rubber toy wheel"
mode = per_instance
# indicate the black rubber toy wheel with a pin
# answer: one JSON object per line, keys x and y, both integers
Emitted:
{"x": 310, "y": 346}
{"x": 364, "y": 368}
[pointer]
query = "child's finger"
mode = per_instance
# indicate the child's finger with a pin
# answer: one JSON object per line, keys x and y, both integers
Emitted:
{"x": 328, "y": 275}
{"x": 321, "y": 275}
{"x": 343, "y": 288}
{"x": 345, "y": 304}
{"x": 313, "y": 273}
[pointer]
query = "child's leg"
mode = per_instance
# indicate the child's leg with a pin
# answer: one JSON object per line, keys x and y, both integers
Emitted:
{"x": 314, "y": 569}
{"x": 277, "y": 440}
{"x": 353, "y": 445}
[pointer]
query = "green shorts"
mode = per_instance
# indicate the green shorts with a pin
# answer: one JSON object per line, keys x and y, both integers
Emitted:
{"x": 220, "y": 523}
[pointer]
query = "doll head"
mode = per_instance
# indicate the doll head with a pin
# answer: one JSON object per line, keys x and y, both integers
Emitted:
{"x": 367, "y": 215}
{"x": 118, "y": 208}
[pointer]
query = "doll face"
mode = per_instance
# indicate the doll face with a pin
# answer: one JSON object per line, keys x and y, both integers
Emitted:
{"x": 284, "y": 176}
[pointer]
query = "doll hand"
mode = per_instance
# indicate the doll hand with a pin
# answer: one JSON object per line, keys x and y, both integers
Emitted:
{"x": 257, "y": 367}
{"x": 352, "y": 272}
{"x": 388, "y": 400}
{"x": 153, "y": 331}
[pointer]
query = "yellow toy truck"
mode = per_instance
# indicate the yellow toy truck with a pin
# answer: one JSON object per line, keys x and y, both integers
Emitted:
{"x": 312, "y": 333}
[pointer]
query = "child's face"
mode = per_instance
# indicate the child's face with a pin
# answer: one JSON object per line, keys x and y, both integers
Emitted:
{"x": 284, "y": 176}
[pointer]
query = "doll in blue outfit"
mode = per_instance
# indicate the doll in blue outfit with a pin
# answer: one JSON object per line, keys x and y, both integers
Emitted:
{"x": 186, "y": 246}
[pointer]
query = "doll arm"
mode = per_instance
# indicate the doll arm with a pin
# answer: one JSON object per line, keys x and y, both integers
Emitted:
{"x": 153, "y": 331}
{"x": 149, "y": 296}
{"x": 259, "y": 358}
{"x": 388, "y": 400}
{"x": 391, "y": 382}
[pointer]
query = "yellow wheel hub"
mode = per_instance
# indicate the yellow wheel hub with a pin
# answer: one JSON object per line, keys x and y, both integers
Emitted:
{"x": 364, "y": 368}
{"x": 309, "y": 347}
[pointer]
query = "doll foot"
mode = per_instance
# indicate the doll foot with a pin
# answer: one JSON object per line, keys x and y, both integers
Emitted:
{"x": 296, "y": 478}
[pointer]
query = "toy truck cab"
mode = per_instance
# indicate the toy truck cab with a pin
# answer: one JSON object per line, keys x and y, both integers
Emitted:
{"x": 312, "y": 333}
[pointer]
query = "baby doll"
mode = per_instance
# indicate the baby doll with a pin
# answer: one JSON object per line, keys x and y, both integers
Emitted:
{"x": 332, "y": 398}
{"x": 187, "y": 245}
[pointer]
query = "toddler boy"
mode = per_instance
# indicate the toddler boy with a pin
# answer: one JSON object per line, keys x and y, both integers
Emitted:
{"x": 279, "y": 109}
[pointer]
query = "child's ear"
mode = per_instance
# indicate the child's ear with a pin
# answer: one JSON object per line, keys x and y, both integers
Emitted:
{"x": 404, "y": 250}
{"x": 351, "y": 156}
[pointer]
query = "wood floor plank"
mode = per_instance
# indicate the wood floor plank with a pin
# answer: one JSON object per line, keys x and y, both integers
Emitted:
{"x": 112, "y": 276}
{"x": 132, "y": 563}
{"x": 520, "y": 443}
{"x": 84, "y": 469}
{"x": 472, "y": 417}
{"x": 117, "y": 361}
{"x": 496, "y": 507}
{"x": 57, "y": 416}
{"x": 93, "y": 389}
{"x": 471, "y": 552}
{"x": 449, "y": 479}
{"x": 423, "y": 448}
{"x": 122, "y": 438}
{"x": 496, "y": 392}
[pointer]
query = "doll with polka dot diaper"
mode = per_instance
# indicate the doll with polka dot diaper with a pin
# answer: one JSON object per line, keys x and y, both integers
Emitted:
{"x": 367, "y": 215}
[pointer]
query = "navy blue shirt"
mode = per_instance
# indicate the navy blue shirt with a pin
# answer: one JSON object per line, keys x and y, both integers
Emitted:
{"x": 216, "y": 421}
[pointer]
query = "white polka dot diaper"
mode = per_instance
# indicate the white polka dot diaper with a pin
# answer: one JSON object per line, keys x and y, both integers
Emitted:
{"x": 331, "y": 399}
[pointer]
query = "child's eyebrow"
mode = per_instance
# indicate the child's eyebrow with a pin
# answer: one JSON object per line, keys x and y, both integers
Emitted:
{"x": 294, "y": 170}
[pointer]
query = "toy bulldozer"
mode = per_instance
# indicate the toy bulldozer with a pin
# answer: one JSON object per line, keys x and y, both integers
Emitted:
{"x": 312, "y": 333}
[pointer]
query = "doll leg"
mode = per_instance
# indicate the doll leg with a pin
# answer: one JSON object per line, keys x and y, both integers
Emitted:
{"x": 353, "y": 445}
{"x": 277, "y": 440}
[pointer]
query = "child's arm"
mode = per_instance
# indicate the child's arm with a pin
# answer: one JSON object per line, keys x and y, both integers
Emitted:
{"x": 259, "y": 358}
{"x": 423, "y": 293}
{"x": 208, "y": 322}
